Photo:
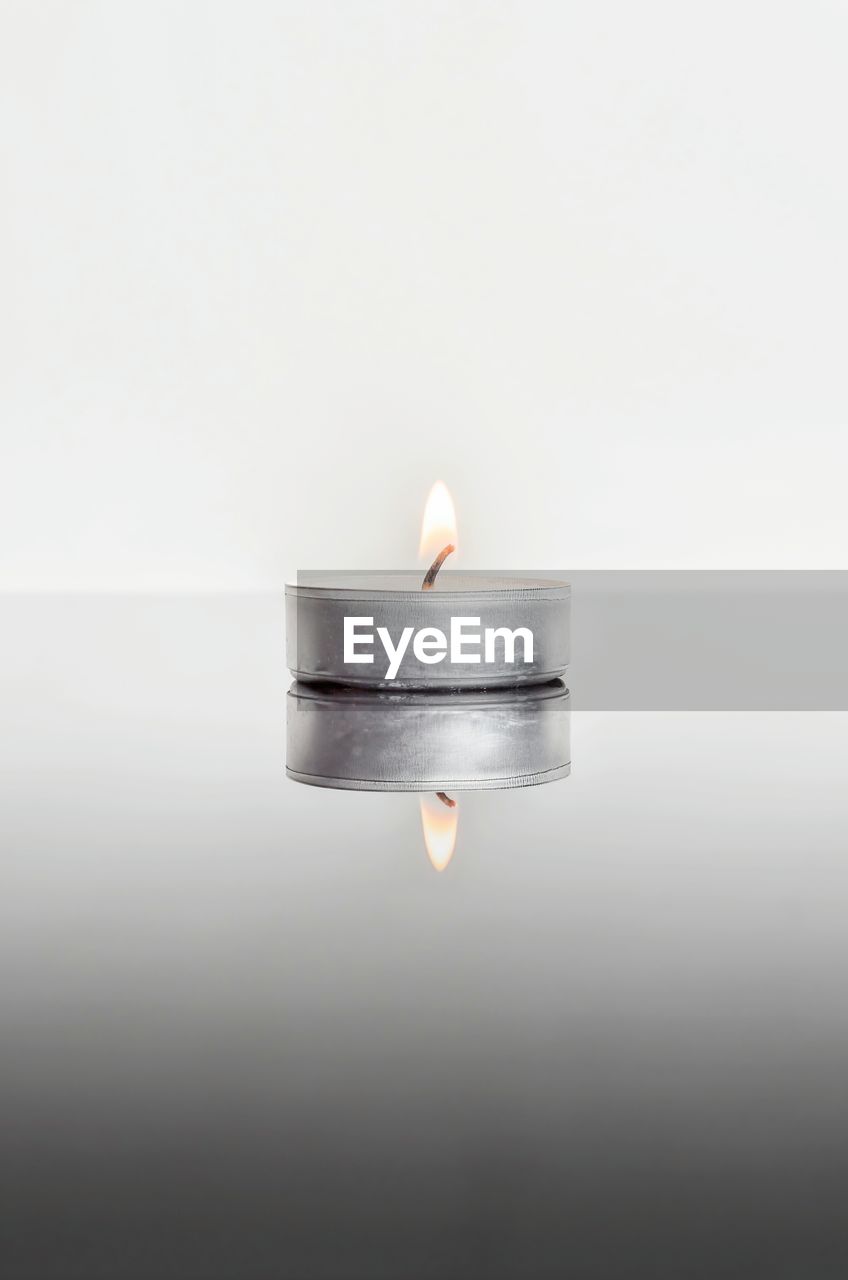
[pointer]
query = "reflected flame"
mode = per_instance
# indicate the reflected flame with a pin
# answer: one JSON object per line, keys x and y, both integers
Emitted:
{"x": 438, "y": 528}
{"x": 439, "y": 821}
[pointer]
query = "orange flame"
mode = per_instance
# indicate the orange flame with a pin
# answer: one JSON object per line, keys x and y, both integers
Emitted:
{"x": 438, "y": 528}
{"x": 439, "y": 822}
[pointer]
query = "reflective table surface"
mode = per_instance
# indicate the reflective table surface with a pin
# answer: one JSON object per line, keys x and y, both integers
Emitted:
{"x": 249, "y": 1030}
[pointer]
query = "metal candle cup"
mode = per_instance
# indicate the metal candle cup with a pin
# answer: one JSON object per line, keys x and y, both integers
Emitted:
{"x": 501, "y": 606}
{"x": 469, "y": 741}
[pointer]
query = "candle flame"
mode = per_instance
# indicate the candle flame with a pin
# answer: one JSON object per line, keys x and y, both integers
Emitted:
{"x": 439, "y": 821}
{"x": 438, "y": 528}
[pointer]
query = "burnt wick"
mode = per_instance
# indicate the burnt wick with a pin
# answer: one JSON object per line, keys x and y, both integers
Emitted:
{"x": 430, "y": 575}
{"x": 445, "y": 799}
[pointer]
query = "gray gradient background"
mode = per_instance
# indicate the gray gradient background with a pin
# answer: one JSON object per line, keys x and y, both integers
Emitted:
{"x": 248, "y": 1031}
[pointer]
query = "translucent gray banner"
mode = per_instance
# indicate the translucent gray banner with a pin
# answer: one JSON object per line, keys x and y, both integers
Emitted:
{"x": 672, "y": 640}
{"x": 717, "y": 640}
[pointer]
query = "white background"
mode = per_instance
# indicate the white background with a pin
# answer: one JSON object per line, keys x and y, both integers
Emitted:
{"x": 269, "y": 269}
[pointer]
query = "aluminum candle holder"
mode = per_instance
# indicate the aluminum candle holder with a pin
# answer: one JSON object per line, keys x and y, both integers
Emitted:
{"x": 469, "y": 741}
{"x": 496, "y": 630}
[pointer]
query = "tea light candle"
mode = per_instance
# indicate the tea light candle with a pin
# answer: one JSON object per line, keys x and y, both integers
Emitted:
{"x": 447, "y": 630}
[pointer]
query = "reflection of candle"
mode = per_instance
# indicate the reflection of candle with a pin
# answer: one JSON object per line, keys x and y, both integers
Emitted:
{"x": 439, "y": 816}
{"x": 464, "y": 630}
{"x": 472, "y": 740}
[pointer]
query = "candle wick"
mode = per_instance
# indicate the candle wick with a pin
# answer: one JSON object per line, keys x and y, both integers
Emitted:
{"x": 430, "y": 575}
{"x": 445, "y": 799}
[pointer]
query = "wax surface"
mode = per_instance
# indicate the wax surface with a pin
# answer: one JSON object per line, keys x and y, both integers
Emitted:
{"x": 448, "y": 580}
